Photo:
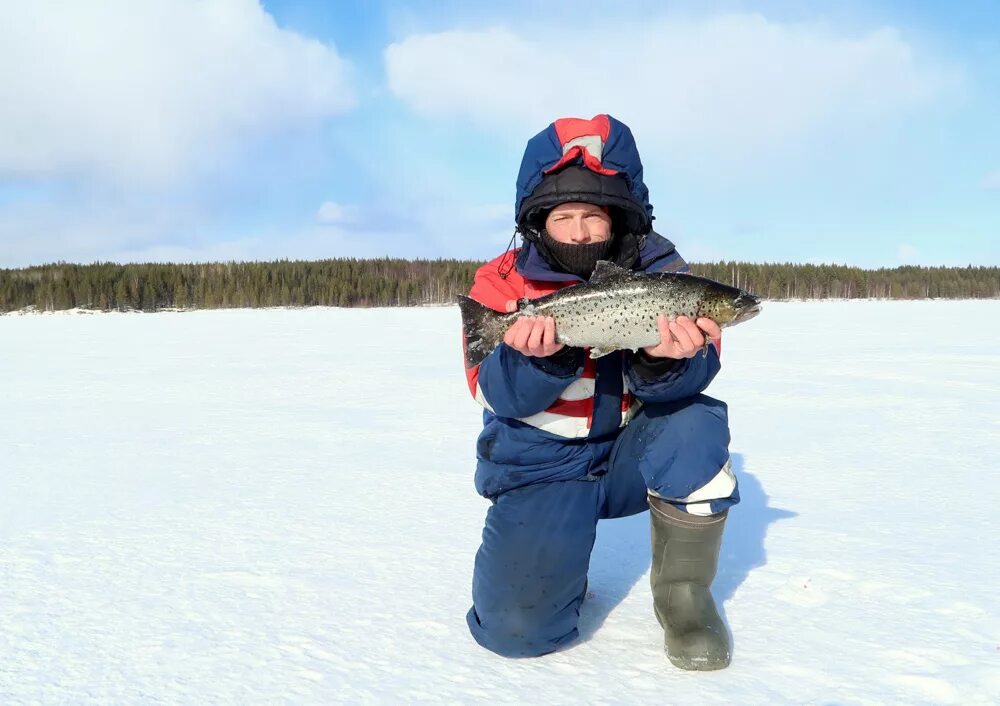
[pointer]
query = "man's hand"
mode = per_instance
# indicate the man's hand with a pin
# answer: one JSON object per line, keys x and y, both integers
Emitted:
{"x": 682, "y": 337}
{"x": 532, "y": 335}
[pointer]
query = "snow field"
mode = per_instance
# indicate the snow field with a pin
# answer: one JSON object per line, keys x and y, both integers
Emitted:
{"x": 276, "y": 506}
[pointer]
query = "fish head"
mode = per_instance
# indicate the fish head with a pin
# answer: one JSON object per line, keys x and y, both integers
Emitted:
{"x": 744, "y": 307}
{"x": 729, "y": 306}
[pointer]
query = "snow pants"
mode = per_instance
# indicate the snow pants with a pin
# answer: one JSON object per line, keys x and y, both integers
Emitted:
{"x": 530, "y": 572}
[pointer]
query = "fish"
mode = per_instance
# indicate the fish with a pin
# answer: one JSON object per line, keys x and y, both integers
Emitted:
{"x": 615, "y": 310}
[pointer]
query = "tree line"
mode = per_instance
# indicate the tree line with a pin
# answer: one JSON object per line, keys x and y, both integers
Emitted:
{"x": 349, "y": 282}
{"x": 792, "y": 281}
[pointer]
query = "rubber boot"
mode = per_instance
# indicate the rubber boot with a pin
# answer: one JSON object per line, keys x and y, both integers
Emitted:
{"x": 685, "y": 558}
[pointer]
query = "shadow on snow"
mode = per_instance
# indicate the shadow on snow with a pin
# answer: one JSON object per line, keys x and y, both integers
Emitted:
{"x": 621, "y": 554}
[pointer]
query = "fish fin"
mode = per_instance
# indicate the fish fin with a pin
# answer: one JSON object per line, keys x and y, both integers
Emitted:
{"x": 704, "y": 348}
{"x": 480, "y": 326}
{"x": 598, "y": 352}
{"x": 607, "y": 271}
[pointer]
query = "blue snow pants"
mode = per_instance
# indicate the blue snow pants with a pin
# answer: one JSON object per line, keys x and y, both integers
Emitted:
{"x": 531, "y": 569}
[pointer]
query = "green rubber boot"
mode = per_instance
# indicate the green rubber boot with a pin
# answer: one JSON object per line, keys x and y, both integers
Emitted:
{"x": 685, "y": 558}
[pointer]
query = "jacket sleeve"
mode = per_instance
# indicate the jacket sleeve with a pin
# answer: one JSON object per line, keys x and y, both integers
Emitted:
{"x": 506, "y": 382}
{"x": 514, "y": 385}
{"x": 667, "y": 379}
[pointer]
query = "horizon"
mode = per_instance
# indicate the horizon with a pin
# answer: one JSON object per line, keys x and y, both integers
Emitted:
{"x": 737, "y": 263}
{"x": 851, "y": 134}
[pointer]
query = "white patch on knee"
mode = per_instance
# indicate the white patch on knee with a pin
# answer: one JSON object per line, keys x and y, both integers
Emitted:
{"x": 721, "y": 486}
{"x": 699, "y": 502}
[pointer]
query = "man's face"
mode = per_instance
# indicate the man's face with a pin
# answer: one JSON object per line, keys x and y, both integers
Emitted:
{"x": 579, "y": 223}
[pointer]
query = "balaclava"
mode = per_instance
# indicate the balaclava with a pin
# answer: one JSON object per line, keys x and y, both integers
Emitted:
{"x": 578, "y": 259}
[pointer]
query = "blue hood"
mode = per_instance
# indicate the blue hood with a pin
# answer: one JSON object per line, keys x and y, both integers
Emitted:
{"x": 606, "y": 149}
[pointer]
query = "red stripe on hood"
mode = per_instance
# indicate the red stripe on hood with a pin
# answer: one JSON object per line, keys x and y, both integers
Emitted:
{"x": 568, "y": 129}
{"x": 571, "y": 128}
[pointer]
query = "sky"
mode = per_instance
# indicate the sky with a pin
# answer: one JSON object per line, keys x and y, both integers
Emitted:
{"x": 859, "y": 133}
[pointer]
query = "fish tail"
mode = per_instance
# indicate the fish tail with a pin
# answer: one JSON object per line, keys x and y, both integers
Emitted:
{"x": 483, "y": 328}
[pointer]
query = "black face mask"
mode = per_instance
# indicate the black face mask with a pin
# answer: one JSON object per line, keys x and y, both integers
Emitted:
{"x": 576, "y": 259}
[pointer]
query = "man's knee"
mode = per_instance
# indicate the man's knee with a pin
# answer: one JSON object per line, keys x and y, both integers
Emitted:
{"x": 686, "y": 448}
{"x": 527, "y": 604}
{"x": 700, "y": 419}
{"x": 531, "y": 568}
{"x": 522, "y": 631}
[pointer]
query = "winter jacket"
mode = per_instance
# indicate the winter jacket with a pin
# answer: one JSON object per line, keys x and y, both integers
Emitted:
{"x": 556, "y": 418}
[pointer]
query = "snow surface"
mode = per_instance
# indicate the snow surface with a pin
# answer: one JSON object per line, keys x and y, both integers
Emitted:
{"x": 276, "y": 506}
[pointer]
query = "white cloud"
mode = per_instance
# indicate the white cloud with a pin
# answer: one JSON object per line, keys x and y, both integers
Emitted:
{"x": 731, "y": 82}
{"x": 419, "y": 227}
{"x": 907, "y": 254}
{"x": 466, "y": 230}
{"x": 331, "y": 213}
{"x": 991, "y": 182}
{"x": 88, "y": 227}
{"x": 310, "y": 243}
{"x": 93, "y": 227}
{"x": 140, "y": 90}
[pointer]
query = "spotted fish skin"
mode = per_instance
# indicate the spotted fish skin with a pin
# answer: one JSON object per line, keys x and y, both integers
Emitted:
{"x": 615, "y": 310}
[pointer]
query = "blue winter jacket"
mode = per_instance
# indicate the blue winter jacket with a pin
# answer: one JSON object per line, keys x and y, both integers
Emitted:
{"x": 531, "y": 433}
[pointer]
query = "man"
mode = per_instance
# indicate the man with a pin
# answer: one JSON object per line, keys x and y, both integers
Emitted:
{"x": 568, "y": 440}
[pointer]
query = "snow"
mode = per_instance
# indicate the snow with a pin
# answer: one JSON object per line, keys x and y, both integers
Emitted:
{"x": 277, "y": 506}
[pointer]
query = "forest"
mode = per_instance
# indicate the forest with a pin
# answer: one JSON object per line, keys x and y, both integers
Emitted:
{"x": 349, "y": 282}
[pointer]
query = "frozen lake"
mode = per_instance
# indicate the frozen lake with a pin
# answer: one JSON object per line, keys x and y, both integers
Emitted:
{"x": 277, "y": 506}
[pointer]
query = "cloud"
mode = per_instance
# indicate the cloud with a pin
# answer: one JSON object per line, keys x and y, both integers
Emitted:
{"x": 126, "y": 233}
{"x": 420, "y": 228}
{"x": 92, "y": 227}
{"x": 907, "y": 254}
{"x": 142, "y": 90}
{"x": 331, "y": 213}
{"x": 991, "y": 182}
{"x": 84, "y": 227}
{"x": 730, "y": 82}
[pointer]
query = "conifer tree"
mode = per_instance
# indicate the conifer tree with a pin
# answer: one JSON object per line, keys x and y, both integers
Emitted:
{"x": 396, "y": 282}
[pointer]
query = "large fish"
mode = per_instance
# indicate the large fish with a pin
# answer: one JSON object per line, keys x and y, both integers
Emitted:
{"x": 615, "y": 310}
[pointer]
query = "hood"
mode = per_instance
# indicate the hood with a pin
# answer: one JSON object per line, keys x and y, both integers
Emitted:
{"x": 595, "y": 161}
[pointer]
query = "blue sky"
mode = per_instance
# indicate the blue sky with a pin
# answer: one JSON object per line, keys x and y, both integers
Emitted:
{"x": 848, "y": 132}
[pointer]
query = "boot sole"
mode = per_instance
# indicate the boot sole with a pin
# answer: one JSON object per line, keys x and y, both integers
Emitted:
{"x": 696, "y": 664}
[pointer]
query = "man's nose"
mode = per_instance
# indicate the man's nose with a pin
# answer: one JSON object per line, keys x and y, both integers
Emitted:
{"x": 580, "y": 234}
